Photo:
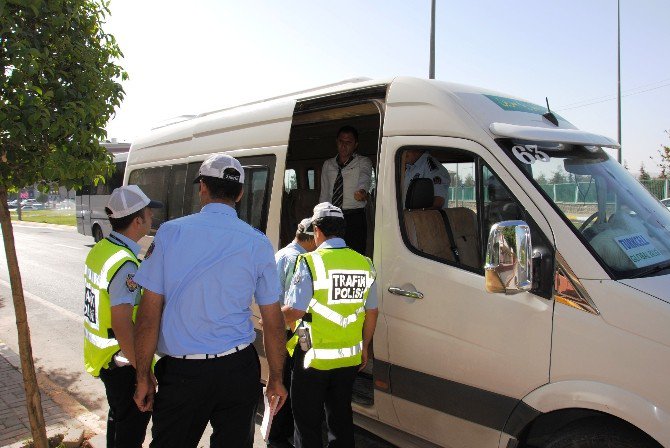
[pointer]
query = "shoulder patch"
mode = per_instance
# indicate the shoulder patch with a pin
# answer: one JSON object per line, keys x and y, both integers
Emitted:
{"x": 437, "y": 180}
{"x": 150, "y": 250}
{"x": 432, "y": 164}
{"x": 130, "y": 283}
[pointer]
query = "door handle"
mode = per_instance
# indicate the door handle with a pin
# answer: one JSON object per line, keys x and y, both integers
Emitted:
{"x": 403, "y": 292}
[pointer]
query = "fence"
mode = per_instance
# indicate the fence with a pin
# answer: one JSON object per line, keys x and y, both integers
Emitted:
{"x": 581, "y": 192}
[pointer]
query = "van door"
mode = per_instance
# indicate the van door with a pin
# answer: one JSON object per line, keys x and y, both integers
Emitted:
{"x": 459, "y": 359}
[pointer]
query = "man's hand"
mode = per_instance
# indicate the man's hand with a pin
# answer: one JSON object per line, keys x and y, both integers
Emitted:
{"x": 144, "y": 393}
{"x": 361, "y": 195}
{"x": 275, "y": 388}
{"x": 364, "y": 359}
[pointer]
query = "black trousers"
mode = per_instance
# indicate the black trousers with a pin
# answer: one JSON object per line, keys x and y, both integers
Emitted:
{"x": 126, "y": 425}
{"x": 356, "y": 233}
{"x": 314, "y": 392}
{"x": 222, "y": 391}
{"x": 282, "y": 423}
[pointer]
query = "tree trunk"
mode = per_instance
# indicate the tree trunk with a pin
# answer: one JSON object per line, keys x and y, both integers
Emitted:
{"x": 33, "y": 400}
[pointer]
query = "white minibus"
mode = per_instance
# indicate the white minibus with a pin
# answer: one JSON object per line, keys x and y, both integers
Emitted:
{"x": 91, "y": 201}
{"x": 532, "y": 311}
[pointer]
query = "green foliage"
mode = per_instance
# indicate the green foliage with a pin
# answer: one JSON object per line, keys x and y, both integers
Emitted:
{"x": 59, "y": 85}
{"x": 469, "y": 181}
{"x": 558, "y": 177}
{"x": 664, "y": 165}
{"x": 643, "y": 173}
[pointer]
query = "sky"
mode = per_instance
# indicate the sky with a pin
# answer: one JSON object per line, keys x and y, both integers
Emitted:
{"x": 203, "y": 55}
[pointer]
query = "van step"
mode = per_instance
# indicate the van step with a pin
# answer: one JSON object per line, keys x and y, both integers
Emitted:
{"x": 363, "y": 391}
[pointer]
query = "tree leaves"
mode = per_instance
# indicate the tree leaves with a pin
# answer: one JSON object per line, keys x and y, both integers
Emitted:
{"x": 59, "y": 85}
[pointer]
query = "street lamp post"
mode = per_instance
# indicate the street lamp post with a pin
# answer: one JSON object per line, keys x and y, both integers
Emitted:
{"x": 431, "y": 69}
{"x": 618, "y": 29}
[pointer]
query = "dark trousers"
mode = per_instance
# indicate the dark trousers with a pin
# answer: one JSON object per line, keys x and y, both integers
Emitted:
{"x": 314, "y": 392}
{"x": 126, "y": 425}
{"x": 282, "y": 423}
{"x": 222, "y": 391}
{"x": 356, "y": 233}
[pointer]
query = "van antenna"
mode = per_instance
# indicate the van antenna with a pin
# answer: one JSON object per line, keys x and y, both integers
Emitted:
{"x": 550, "y": 115}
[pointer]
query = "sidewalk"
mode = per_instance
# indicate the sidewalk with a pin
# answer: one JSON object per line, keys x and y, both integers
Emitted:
{"x": 14, "y": 423}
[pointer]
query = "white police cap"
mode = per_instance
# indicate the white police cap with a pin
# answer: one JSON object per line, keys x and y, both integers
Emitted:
{"x": 217, "y": 164}
{"x": 305, "y": 226}
{"x": 326, "y": 209}
{"x": 127, "y": 200}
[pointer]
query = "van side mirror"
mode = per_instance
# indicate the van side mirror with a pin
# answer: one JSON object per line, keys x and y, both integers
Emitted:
{"x": 509, "y": 252}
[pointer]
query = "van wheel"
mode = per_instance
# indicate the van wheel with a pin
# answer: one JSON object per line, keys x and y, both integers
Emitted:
{"x": 600, "y": 433}
{"x": 97, "y": 233}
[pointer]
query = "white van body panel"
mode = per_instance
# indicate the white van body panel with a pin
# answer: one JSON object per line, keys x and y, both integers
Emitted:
{"x": 655, "y": 286}
{"x": 605, "y": 398}
{"x": 624, "y": 350}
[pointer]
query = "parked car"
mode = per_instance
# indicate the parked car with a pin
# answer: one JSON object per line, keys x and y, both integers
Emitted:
{"x": 12, "y": 205}
{"x": 666, "y": 202}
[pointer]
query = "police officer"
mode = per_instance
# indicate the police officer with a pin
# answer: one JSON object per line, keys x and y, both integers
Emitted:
{"x": 345, "y": 182}
{"x": 110, "y": 301}
{"x": 282, "y": 424}
{"x": 199, "y": 280}
{"x": 420, "y": 164}
{"x": 333, "y": 297}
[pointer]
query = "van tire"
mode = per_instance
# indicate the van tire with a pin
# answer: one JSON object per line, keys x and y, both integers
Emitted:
{"x": 600, "y": 432}
{"x": 97, "y": 233}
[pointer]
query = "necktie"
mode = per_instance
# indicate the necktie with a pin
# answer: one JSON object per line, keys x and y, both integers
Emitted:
{"x": 338, "y": 187}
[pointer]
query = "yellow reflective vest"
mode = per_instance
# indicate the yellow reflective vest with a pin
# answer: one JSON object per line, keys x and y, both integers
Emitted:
{"x": 341, "y": 279}
{"x": 102, "y": 264}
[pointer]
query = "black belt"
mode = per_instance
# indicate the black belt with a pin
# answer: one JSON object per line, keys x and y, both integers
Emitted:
{"x": 353, "y": 211}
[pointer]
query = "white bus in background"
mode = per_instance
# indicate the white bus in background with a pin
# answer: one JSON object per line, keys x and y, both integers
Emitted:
{"x": 92, "y": 199}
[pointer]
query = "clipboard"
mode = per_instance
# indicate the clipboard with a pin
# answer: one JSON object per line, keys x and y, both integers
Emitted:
{"x": 268, "y": 415}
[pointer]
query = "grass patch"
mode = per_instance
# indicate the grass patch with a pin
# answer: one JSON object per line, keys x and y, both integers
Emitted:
{"x": 64, "y": 217}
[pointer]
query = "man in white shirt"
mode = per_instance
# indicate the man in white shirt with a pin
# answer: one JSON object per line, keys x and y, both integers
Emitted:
{"x": 345, "y": 183}
{"x": 420, "y": 164}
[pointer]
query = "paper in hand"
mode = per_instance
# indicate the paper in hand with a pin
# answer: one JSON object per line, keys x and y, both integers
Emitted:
{"x": 268, "y": 414}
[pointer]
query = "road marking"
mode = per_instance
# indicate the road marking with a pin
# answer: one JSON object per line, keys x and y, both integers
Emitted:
{"x": 71, "y": 247}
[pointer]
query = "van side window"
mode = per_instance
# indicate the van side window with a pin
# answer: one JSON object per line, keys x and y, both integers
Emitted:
{"x": 250, "y": 208}
{"x": 290, "y": 180}
{"x": 153, "y": 183}
{"x": 437, "y": 199}
{"x": 310, "y": 178}
{"x": 191, "y": 190}
{"x": 176, "y": 189}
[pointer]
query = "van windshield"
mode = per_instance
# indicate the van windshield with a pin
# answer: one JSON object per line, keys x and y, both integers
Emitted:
{"x": 623, "y": 224}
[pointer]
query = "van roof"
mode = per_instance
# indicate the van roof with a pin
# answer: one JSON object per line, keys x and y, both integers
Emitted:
{"x": 451, "y": 109}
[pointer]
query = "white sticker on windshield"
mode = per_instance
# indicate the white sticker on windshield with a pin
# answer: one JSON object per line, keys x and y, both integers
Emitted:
{"x": 529, "y": 154}
{"x": 639, "y": 249}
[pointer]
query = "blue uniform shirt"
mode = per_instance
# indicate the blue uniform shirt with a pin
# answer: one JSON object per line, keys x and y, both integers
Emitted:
{"x": 301, "y": 291}
{"x": 285, "y": 259}
{"x": 122, "y": 289}
{"x": 208, "y": 266}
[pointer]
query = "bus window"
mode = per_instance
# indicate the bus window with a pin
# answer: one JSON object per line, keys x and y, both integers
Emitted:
{"x": 252, "y": 205}
{"x": 153, "y": 183}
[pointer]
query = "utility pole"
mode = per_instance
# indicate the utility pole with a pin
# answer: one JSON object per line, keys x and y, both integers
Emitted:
{"x": 618, "y": 33}
{"x": 431, "y": 70}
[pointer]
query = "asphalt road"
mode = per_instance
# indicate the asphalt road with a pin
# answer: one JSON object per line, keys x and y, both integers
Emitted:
{"x": 51, "y": 259}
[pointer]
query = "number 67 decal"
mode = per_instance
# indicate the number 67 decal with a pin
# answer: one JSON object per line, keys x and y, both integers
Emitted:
{"x": 529, "y": 154}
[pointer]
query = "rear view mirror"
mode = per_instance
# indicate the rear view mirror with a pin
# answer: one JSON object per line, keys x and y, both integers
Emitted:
{"x": 509, "y": 251}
